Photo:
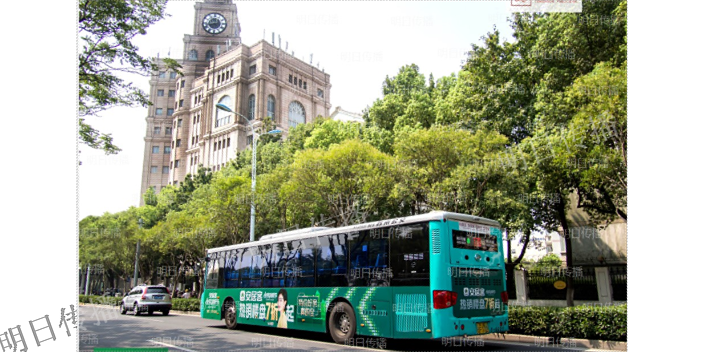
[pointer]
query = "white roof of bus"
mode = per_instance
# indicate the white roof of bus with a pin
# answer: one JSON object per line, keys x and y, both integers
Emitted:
{"x": 315, "y": 232}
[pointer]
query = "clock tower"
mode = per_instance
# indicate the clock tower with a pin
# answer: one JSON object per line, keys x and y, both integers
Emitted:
{"x": 216, "y": 29}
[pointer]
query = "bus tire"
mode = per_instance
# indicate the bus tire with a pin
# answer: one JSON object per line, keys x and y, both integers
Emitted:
{"x": 230, "y": 314}
{"x": 342, "y": 323}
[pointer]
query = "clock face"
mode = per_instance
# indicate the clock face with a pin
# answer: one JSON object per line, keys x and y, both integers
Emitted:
{"x": 214, "y": 23}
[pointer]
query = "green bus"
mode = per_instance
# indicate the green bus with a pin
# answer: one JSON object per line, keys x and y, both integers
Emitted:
{"x": 428, "y": 276}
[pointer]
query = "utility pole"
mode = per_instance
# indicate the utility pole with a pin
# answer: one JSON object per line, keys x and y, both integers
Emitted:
{"x": 87, "y": 280}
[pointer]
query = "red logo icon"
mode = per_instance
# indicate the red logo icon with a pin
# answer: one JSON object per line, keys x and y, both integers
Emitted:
{"x": 521, "y": 2}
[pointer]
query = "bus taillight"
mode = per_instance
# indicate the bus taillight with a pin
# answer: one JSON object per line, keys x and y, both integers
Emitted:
{"x": 444, "y": 299}
{"x": 504, "y": 297}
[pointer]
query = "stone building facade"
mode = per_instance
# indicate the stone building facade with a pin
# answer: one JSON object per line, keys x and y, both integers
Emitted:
{"x": 259, "y": 82}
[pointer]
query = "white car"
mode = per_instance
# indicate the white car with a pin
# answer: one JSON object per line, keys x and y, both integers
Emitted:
{"x": 147, "y": 298}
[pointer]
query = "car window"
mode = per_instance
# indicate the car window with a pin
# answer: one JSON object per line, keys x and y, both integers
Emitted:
{"x": 157, "y": 290}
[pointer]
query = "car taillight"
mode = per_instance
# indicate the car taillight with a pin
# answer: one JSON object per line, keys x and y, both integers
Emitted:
{"x": 444, "y": 299}
{"x": 144, "y": 295}
{"x": 504, "y": 297}
{"x": 167, "y": 291}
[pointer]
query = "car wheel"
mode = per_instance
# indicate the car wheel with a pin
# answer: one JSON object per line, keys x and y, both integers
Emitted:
{"x": 165, "y": 312}
{"x": 342, "y": 323}
{"x": 149, "y": 311}
{"x": 123, "y": 309}
{"x": 136, "y": 309}
{"x": 230, "y": 315}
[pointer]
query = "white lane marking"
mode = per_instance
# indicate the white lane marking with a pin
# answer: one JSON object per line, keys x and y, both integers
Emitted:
{"x": 172, "y": 346}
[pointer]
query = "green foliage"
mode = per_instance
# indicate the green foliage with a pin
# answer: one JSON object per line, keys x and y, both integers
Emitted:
{"x": 549, "y": 261}
{"x": 106, "y": 29}
{"x": 332, "y": 132}
{"x": 186, "y": 304}
{"x": 582, "y": 322}
{"x": 101, "y": 300}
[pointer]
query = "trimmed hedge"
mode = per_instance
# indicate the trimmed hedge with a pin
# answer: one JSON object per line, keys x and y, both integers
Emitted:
{"x": 182, "y": 304}
{"x": 107, "y": 300}
{"x": 582, "y": 322}
{"x": 186, "y": 304}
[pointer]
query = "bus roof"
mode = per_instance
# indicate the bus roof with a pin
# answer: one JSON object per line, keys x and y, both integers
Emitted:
{"x": 321, "y": 231}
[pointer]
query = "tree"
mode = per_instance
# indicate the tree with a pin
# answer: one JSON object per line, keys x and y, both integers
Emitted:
{"x": 347, "y": 180}
{"x": 106, "y": 28}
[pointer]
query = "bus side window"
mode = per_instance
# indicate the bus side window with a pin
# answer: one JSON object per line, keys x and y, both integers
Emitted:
{"x": 324, "y": 261}
{"x": 279, "y": 271}
{"x": 255, "y": 273}
{"x": 409, "y": 259}
{"x": 245, "y": 267}
{"x": 267, "y": 265}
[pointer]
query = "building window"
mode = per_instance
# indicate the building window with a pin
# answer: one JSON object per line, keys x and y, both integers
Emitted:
{"x": 249, "y": 139}
{"x": 180, "y": 122}
{"x": 183, "y": 83}
{"x": 290, "y": 78}
{"x": 270, "y": 106}
{"x": 155, "y": 169}
{"x": 193, "y": 55}
{"x": 175, "y": 183}
{"x": 296, "y": 114}
{"x": 295, "y": 81}
{"x": 300, "y": 83}
{"x": 160, "y": 93}
{"x": 155, "y": 150}
{"x": 172, "y": 75}
{"x": 252, "y": 105}
{"x": 171, "y": 165}
{"x": 252, "y": 69}
{"x": 165, "y": 170}
{"x": 228, "y": 142}
{"x": 304, "y": 86}
{"x": 176, "y": 164}
{"x": 180, "y": 103}
{"x": 223, "y": 117}
{"x": 157, "y": 130}
{"x": 320, "y": 93}
{"x": 172, "y": 93}
{"x": 169, "y": 112}
{"x": 162, "y": 74}
{"x": 159, "y": 111}
{"x": 209, "y": 54}
{"x": 172, "y": 144}
{"x": 178, "y": 143}
{"x": 272, "y": 70}
{"x": 168, "y": 131}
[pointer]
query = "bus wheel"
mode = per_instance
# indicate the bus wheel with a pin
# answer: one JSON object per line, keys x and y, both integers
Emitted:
{"x": 342, "y": 323}
{"x": 230, "y": 315}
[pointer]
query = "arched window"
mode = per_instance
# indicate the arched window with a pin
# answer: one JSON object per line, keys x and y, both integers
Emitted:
{"x": 223, "y": 117}
{"x": 209, "y": 54}
{"x": 193, "y": 55}
{"x": 296, "y": 114}
{"x": 252, "y": 103}
{"x": 270, "y": 107}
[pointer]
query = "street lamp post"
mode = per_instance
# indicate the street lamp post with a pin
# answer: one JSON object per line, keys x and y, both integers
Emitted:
{"x": 255, "y": 136}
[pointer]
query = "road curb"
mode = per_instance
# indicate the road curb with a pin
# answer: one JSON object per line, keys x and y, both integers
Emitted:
{"x": 107, "y": 306}
{"x": 546, "y": 342}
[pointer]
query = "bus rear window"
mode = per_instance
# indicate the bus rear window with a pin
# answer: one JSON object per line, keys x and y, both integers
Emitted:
{"x": 474, "y": 240}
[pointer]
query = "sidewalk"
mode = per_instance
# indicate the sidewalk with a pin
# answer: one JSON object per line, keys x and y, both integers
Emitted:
{"x": 533, "y": 340}
{"x": 583, "y": 343}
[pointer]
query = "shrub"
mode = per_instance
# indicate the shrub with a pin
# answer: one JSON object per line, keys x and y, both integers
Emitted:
{"x": 107, "y": 300}
{"x": 186, "y": 304}
{"x": 600, "y": 323}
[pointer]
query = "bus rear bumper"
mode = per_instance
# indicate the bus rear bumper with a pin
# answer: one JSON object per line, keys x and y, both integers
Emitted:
{"x": 471, "y": 327}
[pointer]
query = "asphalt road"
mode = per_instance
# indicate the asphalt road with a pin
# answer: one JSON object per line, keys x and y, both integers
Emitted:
{"x": 105, "y": 327}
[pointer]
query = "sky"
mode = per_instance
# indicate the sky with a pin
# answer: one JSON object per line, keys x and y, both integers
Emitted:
{"x": 357, "y": 43}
